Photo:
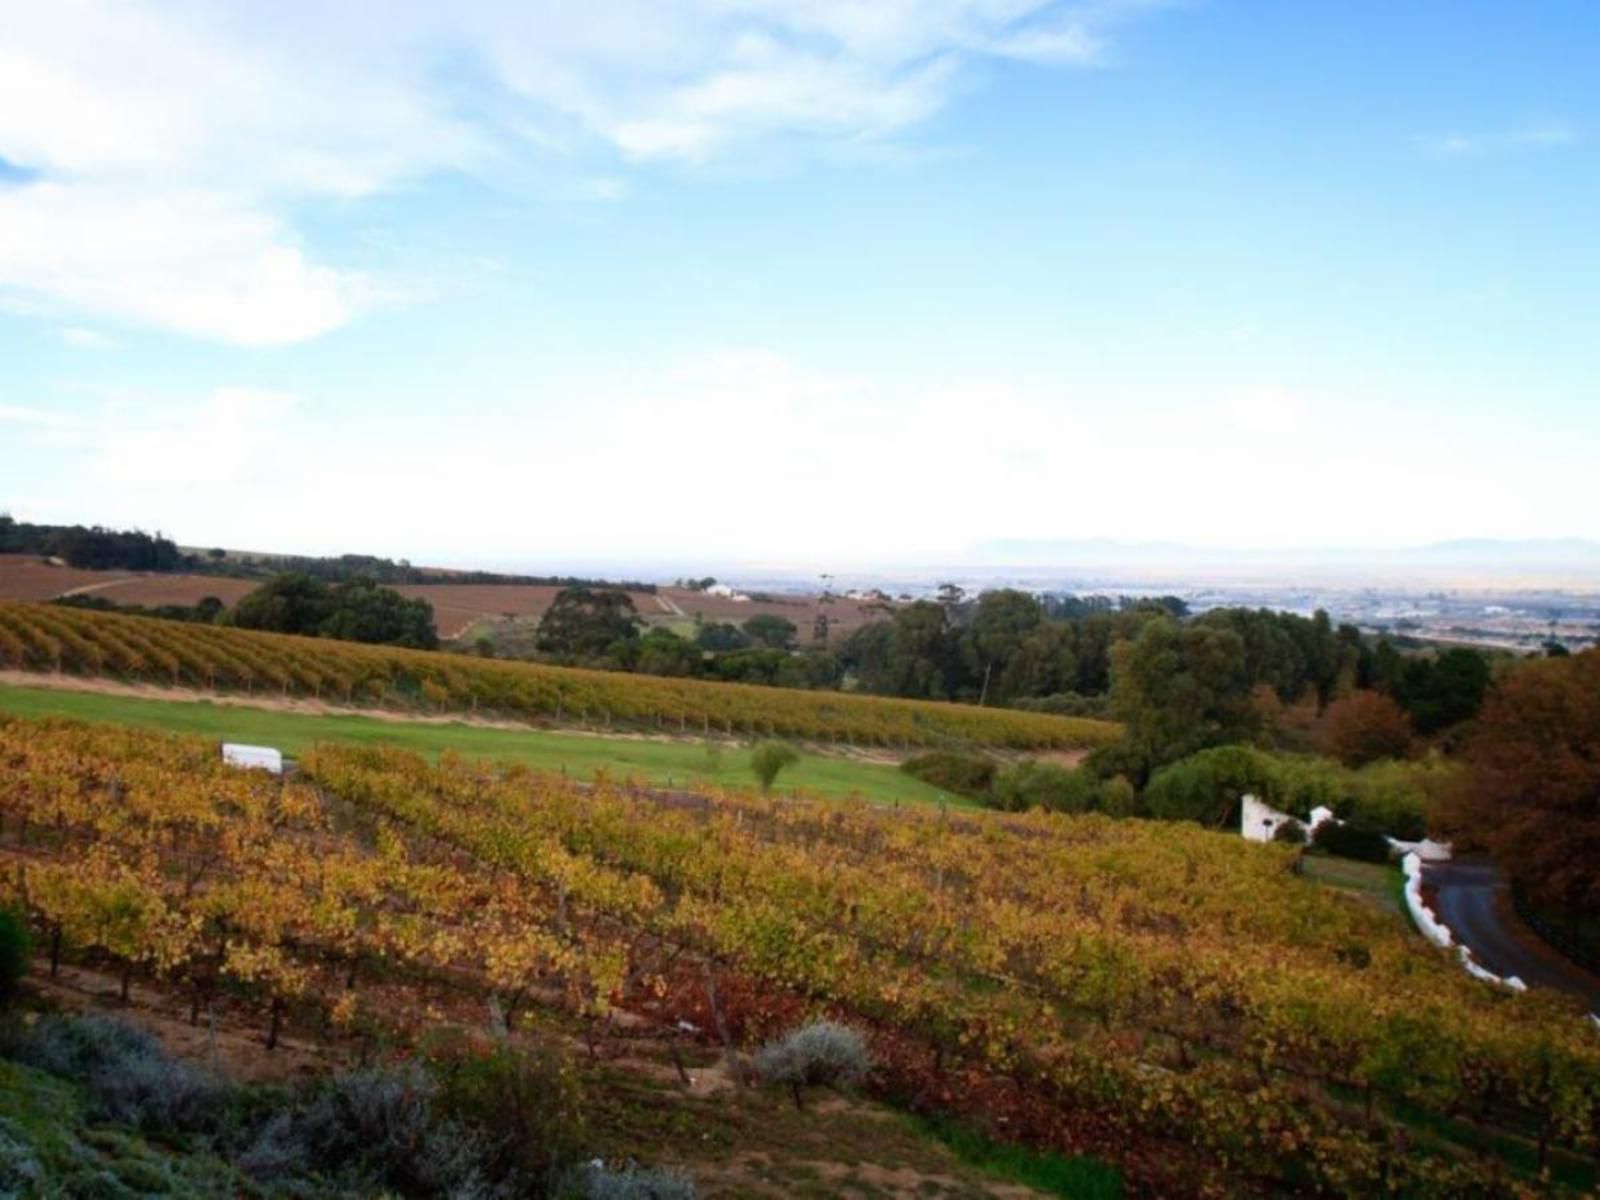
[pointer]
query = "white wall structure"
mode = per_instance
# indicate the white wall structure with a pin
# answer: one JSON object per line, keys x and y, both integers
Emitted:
{"x": 1427, "y": 849}
{"x": 254, "y": 758}
{"x": 1258, "y": 822}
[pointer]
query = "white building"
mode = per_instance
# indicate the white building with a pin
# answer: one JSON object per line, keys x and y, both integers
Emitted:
{"x": 253, "y": 758}
{"x": 1259, "y": 822}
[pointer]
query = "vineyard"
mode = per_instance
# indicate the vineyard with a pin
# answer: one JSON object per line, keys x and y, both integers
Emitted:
{"x": 1152, "y": 993}
{"x": 48, "y": 638}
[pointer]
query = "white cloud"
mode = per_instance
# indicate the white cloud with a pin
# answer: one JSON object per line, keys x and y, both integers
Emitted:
{"x": 38, "y": 418}
{"x": 743, "y": 454}
{"x": 1476, "y": 145}
{"x": 87, "y": 339}
{"x": 162, "y": 149}
{"x": 195, "y": 262}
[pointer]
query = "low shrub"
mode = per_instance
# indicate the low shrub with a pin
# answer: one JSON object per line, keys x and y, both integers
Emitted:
{"x": 821, "y": 1054}
{"x": 1118, "y": 798}
{"x": 1346, "y": 839}
{"x": 599, "y": 1182}
{"x": 970, "y": 775}
{"x": 1292, "y": 832}
{"x": 15, "y": 952}
{"x": 131, "y": 1079}
{"x": 21, "y": 1172}
{"x": 1048, "y": 786}
{"x": 521, "y": 1103}
{"x": 770, "y": 758}
{"x": 370, "y": 1129}
{"x": 1065, "y": 704}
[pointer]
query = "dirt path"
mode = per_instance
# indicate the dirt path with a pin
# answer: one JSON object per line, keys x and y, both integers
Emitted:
{"x": 87, "y": 588}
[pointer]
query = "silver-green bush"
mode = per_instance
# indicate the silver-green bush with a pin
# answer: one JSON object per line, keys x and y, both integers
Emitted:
{"x": 823, "y": 1053}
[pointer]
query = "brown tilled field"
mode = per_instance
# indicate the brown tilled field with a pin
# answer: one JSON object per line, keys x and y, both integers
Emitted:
{"x": 456, "y": 606}
{"x": 26, "y": 577}
{"x": 844, "y": 616}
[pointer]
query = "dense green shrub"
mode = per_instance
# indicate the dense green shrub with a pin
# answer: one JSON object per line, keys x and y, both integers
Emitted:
{"x": 14, "y": 954}
{"x": 1347, "y": 839}
{"x": 1391, "y": 797}
{"x": 1398, "y": 797}
{"x": 1206, "y": 787}
{"x": 1118, "y": 798}
{"x": 1065, "y": 704}
{"x": 1045, "y": 785}
{"x": 970, "y": 775}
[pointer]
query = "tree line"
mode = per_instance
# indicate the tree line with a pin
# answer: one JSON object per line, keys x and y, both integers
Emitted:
{"x": 93, "y": 547}
{"x": 98, "y": 548}
{"x": 355, "y": 610}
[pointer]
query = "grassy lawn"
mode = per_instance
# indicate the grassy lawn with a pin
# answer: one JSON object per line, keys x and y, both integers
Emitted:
{"x": 678, "y": 764}
{"x": 1378, "y": 881}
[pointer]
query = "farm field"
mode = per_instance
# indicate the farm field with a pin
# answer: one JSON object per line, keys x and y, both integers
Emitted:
{"x": 1177, "y": 1003}
{"x": 457, "y": 607}
{"x": 668, "y": 764}
{"x": 45, "y": 637}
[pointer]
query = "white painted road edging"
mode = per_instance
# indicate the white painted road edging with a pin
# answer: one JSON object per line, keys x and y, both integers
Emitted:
{"x": 1439, "y": 933}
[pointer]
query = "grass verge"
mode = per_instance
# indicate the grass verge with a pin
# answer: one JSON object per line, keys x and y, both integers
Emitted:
{"x": 663, "y": 763}
{"x": 1076, "y": 1177}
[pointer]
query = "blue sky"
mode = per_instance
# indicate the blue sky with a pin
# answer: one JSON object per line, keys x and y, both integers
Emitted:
{"x": 828, "y": 283}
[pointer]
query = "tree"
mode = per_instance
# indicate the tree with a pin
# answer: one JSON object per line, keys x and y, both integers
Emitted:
{"x": 770, "y": 758}
{"x": 1445, "y": 690}
{"x": 586, "y": 622}
{"x": 363, "y": 611}
{"x": 358, "y": 610}
{"x": 721, "y": 636}
{"x": 1044, "y": 663}
{"x": 289, "y": 603}
{"x": 918, "y": 655}
{"x": 662, "y": 652}
{"x": 1180, "y": 688}
{"x": 1366, "y": 726}
{"x": 1531, "y": 788}
{"x": 772, "y": 631}
{"x": 810, "y": 669}
{"x": 1000, "y": 621}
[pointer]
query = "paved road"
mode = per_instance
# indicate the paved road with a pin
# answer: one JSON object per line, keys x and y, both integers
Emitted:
{"x": 1469, "y": 892}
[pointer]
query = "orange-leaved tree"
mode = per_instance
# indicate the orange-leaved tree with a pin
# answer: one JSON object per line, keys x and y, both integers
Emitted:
{"x": 1531, "y": 791}
{"x": 1364, "y": 727}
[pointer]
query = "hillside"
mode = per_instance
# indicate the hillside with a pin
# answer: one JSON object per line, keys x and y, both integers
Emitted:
{"x": 460, "y": 609}
{"x": 1176, "y": 1002}
{"x": 47, "y": 637}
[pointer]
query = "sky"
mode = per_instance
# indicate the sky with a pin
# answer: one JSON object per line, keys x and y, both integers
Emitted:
{"x": 840, "y": 284}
